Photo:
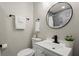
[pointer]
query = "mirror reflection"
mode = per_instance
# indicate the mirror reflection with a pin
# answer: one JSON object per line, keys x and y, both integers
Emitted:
{"x": 59, "y": 15}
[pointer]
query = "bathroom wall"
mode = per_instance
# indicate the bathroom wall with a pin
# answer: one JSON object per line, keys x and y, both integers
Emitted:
{"x": 21, "y": 39}
{"x": 16, "y": 39}
{"x": 72, "y": 28}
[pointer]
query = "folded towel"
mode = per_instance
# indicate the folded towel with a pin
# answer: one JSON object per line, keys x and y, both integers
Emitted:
{"x": 20, "y": 22}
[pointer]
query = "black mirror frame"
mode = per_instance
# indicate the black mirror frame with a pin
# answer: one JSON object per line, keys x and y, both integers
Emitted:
{"x": 64, "y": 24}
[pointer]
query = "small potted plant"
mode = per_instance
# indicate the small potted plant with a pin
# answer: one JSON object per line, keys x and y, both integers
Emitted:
{"x": 69, "y": 40}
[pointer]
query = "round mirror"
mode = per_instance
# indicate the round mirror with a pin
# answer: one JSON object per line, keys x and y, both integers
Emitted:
{"x": 59, "y": 15}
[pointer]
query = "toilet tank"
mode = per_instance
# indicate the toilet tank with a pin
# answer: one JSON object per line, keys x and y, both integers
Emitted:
{"x": 34, "y": 40}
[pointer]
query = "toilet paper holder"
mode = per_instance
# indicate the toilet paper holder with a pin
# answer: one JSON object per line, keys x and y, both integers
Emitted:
{"x": 3, "y": 46}
{"x": 0, "y": 45}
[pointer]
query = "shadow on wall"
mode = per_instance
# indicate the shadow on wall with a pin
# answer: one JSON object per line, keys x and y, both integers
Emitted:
{"x": 2, "y": 26}
{"x": 3, "y": 36}
{"x": 16, "y": 39}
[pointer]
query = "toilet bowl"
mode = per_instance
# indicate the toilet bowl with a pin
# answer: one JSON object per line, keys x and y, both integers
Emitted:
{"x": 26, "y": 52}
{"x": 29, "y": 51}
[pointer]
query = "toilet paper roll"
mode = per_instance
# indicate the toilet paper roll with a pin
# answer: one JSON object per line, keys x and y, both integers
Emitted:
{"x": 4, "y": 46}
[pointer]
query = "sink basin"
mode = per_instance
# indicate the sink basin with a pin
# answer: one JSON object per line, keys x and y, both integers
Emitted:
{"x": 60, "y": 48}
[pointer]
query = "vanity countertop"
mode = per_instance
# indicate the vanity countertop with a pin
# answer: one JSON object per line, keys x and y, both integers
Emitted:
{"x": 60, "y": 49}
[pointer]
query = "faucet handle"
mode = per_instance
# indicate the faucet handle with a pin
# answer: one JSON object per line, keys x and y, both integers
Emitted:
{"x": 54, "y": 37}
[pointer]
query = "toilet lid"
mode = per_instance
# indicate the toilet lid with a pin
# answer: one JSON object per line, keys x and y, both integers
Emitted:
{"x": 26, "y": 52}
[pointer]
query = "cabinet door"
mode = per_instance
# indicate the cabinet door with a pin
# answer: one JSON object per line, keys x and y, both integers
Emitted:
{"x": 38, "y": 50}
{"x": 49, "y": 53}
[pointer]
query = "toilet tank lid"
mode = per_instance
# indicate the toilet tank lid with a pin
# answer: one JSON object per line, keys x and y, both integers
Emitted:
{"x": 26, "y": 52}
{"x": 38, "y": 39}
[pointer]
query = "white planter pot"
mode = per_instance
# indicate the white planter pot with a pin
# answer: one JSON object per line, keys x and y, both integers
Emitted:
{"x": 69, "y": 43}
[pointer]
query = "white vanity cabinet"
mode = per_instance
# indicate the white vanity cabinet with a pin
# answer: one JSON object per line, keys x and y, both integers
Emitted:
{"x": 40, "y": 51}
{"x": 48, "y": 48}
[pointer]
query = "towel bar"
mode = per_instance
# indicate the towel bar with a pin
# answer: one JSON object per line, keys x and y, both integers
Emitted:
{"x": 14, "y": 16}
{"x": 11, "y": 15}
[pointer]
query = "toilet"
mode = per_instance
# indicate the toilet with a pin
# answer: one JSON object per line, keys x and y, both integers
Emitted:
{"x": 29, "y": 51}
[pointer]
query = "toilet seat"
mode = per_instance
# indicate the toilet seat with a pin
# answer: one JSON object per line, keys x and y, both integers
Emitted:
{"x": 26, "y": 52}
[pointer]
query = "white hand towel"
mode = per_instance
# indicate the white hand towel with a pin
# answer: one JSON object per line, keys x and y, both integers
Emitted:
{"x": 20, "y": 22}
{"x": 37, "y": 26}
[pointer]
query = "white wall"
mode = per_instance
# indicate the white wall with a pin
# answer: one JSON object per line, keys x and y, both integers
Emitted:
{"x": 16, "y": 39}
{"x": 72, "y": 28}
{"x": 20, "y": 39}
